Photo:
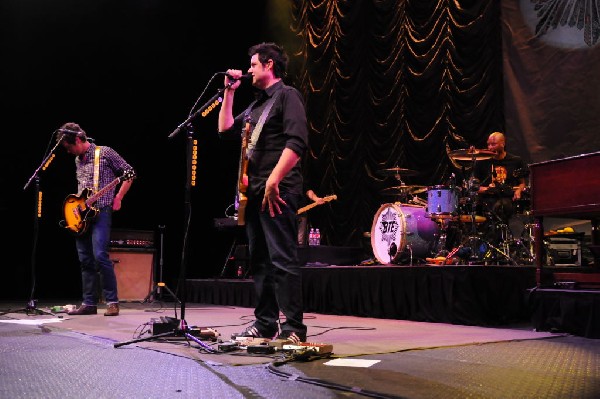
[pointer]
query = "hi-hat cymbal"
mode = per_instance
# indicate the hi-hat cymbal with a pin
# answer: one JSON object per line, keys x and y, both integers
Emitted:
{"x": 470, "y": 154}
{"x": 398, "y": 190}
{"x": 398, "y": 171}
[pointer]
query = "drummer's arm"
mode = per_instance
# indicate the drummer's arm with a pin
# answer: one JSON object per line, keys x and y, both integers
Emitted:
{"x": 519, "y": 189}
{"x": 483, "y": 189}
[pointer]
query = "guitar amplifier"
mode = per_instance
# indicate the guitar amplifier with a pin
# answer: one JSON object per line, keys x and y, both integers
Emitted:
{"x": 132, "y": 252}
{"x": 127, "y": 238}
{"x": 134, "y": 272}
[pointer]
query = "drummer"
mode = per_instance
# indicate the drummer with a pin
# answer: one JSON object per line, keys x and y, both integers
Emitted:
{"x": 501, "y": 178}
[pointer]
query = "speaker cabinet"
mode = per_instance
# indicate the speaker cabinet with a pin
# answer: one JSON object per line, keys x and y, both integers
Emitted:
{"x": 134, "y": 270}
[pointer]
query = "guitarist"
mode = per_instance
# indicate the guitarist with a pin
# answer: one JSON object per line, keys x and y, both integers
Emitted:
{"x": 92, "y": 246}
{"x": 274, "y": 189}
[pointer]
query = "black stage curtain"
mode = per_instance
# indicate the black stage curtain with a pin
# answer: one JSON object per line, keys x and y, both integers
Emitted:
{"x": 393, "y": 84}
{"x": 402, "y": 83}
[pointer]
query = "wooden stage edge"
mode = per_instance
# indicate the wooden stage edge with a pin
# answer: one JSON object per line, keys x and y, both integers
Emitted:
{"x": 464, "y": 295}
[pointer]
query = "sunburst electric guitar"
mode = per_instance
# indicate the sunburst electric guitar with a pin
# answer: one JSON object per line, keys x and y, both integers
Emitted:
{"x": 78, "y": 209}
{"x": 310, "y": 206}
{"x": 242, "y": 187}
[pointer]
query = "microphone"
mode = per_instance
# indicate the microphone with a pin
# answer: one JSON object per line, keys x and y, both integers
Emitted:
{"x": 244, "y": 76}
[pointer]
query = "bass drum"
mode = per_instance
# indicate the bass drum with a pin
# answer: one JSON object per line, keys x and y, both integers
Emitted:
{"x": 402, "y": 231}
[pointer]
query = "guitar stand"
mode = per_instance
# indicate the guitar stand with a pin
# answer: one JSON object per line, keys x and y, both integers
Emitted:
{"x": 229, "y": 257}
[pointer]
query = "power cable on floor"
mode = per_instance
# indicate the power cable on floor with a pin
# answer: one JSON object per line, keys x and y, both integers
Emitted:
{"x": 314, "y": 381}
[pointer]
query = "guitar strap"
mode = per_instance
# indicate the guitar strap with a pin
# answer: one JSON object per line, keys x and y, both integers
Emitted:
{"x": 96, "y": 168}
{"x": 260, "y": 124}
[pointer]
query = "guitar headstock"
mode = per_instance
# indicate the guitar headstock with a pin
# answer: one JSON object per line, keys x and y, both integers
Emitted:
{"x": 129, "y": 174}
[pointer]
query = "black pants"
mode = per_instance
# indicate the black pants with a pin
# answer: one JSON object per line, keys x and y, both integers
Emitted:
{"x": 275, "y": 266}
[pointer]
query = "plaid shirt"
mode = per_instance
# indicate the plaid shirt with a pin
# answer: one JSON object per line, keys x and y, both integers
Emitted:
{"x": 112, "y": 165}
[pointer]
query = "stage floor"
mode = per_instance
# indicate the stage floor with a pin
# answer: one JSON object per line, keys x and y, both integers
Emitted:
{"x": 94, "y": 356}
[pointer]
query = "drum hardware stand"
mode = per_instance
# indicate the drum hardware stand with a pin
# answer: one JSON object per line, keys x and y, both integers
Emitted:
{"x": 441, "y": 244}
{"x": 505, "y": 242}
{"x": 524, "y": 250}
{"x": 392, "y": 251}
{"x": 474, "y": 241}
{"x": 409, "y": 247}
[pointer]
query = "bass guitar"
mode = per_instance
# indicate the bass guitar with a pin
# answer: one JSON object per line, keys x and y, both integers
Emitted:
{"x": 242, "y": 187}
{"x": 310, "y": 206}
{"x": 78, "y": 209}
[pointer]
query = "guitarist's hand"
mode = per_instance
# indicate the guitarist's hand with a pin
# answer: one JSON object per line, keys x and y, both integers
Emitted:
{"x": 272, "y": 199}
{"x": 319, "y": 200}
{"x": 116, "y": 204}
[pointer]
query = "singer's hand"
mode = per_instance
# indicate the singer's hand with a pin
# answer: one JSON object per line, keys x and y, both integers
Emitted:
{"x": 234, "y": 83}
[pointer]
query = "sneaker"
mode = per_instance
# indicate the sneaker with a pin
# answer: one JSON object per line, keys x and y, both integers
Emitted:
{"x": 250, "y": 332}
{"x": 291, "y": 337}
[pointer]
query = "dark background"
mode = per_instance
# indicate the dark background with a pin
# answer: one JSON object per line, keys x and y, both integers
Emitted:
{"x": 128, "y": 73}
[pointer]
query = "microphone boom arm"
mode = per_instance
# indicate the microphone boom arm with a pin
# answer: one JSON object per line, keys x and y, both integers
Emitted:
{"x": 204, "y": 110}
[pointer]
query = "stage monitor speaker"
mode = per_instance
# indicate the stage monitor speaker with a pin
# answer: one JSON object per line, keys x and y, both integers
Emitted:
{"x": 134, "y": 270}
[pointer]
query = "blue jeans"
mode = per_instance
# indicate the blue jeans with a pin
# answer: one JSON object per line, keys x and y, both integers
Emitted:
{"x": 92, "y": 249}
{"x": 273, "y": 245}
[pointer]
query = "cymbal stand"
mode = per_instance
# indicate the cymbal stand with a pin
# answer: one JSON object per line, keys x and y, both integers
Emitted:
{"x": 402, "y": 197}
{"x": 441, "y": 241}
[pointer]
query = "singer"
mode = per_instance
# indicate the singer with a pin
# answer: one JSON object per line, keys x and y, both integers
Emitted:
{"x": 278, "y": 129}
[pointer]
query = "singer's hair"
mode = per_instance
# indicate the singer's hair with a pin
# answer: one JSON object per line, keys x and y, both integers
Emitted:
{"x": 69, "y": 131}
{"x": 271, "y": 51}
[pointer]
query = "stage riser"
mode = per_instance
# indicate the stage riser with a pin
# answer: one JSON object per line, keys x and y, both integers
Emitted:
{"x": 467, "y": 295}
{"x": 575, "y": 312}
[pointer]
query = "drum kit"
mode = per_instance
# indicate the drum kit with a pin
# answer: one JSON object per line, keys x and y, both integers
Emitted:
{"x": 452, "y": 225}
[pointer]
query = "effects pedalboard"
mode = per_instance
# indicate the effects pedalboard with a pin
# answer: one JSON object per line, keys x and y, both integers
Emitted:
{"x": 164, "y": 325}
{"x": 263, "y": 346}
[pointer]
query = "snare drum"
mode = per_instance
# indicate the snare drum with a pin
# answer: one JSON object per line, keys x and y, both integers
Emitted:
{"x": 442, "y": 201}
{"x": 399, "y": 229}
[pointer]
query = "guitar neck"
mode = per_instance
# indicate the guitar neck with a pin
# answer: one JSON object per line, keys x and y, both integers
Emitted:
{"x": 310, "y": 206}
{"x": 90, "y": 201}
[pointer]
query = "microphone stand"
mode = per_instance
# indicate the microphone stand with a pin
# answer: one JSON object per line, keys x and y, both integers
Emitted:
{"x": 31, "y": 307}
{"x": 182, "y": 329}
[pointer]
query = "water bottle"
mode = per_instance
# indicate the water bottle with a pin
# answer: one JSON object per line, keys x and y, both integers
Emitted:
{"x": 317, "y": 237}
{"x": 311, "y": 236}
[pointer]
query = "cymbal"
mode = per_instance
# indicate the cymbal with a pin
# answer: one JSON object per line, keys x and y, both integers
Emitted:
{"x": 397, "y": 190}
{"x": 470, "y": 154}
{"x": 399, "y": 171}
